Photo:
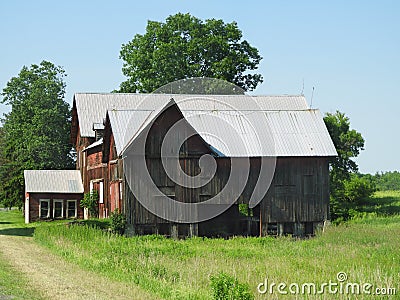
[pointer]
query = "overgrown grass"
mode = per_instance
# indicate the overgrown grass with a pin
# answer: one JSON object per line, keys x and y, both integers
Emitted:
{"x": 367, "y": 250}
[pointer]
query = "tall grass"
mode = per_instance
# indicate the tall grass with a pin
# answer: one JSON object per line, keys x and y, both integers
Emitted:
{"x": 367, "y": 250}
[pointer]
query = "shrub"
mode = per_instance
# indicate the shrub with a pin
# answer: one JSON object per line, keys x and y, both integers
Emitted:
{"x": 226, "y": 287}
{"x": 118, "y": 222}
{"x": 90, "y": 201}
{"x": 357, "y": 190}
{"x": 349, "y": 196}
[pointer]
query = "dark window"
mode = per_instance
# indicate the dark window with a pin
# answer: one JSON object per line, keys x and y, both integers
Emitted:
{"x": 44, "y": 208}
{"x": 71, "y": 209}
{"x": 58, "y": 209}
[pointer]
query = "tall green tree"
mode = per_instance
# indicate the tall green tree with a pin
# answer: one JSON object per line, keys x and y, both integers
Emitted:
{"x": 347, "y": 190}
{"x": 185, "y": 47}
{"x": 35, "y": 133}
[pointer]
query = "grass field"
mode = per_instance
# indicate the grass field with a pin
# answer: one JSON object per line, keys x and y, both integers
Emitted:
{"x": 13, "y": 282}
{"x": 366, "y": 249}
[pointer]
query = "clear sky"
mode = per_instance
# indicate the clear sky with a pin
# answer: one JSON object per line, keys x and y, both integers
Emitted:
{"x": 348, "y": 50}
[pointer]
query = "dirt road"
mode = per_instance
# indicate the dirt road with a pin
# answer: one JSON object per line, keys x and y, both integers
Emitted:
{"x": 55, "y": 278}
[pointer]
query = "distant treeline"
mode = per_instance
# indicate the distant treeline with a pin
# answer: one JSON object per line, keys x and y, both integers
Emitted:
{"x": 384, "y": 181}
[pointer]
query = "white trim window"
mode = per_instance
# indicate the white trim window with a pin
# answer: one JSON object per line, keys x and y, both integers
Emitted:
{"x": 44, "y": 208}
{"x": 120, "y": 190}
{"x": 101, "y": 192}
{"x": 58, "y": 209}
{"x": 72, "y": 211}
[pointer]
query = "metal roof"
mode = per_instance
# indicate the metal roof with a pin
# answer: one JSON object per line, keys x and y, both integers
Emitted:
{"x": 95, "y": 144}
{"x": 53, "y": 181}
{"x": 125, "y": 124}
{"x": 92, "y": 107}
{"x": 240, "y": 133}
{"x": 98, "y": 126}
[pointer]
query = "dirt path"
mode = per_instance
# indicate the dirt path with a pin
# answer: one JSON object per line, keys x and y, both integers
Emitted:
{"x": 55, "y": 278}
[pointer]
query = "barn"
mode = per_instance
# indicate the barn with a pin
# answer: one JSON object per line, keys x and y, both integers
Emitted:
{"x": 52, "y": 194}
{"x": 297, "y": 200}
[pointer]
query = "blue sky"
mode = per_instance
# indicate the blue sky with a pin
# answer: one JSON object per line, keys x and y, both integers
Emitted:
{"x": 348, "y": 50}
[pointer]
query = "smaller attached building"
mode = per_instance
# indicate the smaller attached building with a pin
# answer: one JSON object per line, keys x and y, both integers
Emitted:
{"x": 52, "y": 194}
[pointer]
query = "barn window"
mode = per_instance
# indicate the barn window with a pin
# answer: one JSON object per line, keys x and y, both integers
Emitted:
{"x": 58, "y": 209}
{"x": 308, "y": 185}
{"x": 44, "y": 209}
{"x": 168, "y": 191}
{"x": 71, "y": 209}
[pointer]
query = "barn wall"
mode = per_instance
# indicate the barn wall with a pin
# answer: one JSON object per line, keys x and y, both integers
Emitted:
{"x": 34, "y": 204}
{"x": 299, "y": 193}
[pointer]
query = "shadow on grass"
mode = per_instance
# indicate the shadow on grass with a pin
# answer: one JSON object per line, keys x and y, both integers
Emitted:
{"x": 96, "y": 223}
{"x": 5, "y": 222}
{"x": 18, "y": 231}
{"x": 382, "y": 206}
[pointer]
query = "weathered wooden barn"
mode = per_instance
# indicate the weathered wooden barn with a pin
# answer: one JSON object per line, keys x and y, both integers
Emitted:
{"x": 298, "y": 197}
{"x": 52, "y": 194}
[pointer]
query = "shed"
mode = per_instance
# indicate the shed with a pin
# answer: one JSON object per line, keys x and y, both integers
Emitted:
{"x": 52, "y": 194}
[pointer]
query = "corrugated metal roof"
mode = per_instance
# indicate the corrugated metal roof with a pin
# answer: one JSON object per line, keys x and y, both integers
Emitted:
{"x": 53, "y": 181}
{"x": 300, "y": 133}
{"x": 98, "y": 126}
{"x": 92, "y": 107}
{"x": 240, "y": 133}
{"x": 95, "y": 144}
{"x": 125, "y": 124}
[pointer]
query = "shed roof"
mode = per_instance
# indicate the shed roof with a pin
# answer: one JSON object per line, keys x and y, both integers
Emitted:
{"x": 92, "y": 107}
{"x": 53, "y": 181}
{"x": 235, "y": 133}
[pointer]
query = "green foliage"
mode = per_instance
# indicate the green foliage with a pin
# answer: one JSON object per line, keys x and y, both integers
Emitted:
{"x": 90, "y": 202}
{"x": 118, "y": 222}
{"x": 356, "y": 193}
{"x": 357, "y": 190}
{"x": 348, "y": 143}
{"x": 35, "y": 134}
{"x": 385, "y": 181}
{"x": 226, "y": 287}
{"x": 186, "y": 47}
{"x": 244, "y": 210}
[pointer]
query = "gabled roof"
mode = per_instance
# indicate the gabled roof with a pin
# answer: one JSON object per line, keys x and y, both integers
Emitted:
{"x": 232, "y": 133}
{"x": 92, "y": 107}
{"x": 53, "y": 181}
{"x": 95, "y": 144}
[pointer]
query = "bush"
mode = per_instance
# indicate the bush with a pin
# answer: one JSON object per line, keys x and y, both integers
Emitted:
{"x": 118, "y": 222}
{"x": 357, "y": 190}
{"x": 226, "y": 287}
{"x": 90, "y": 202}
{"x": 349, "y": 196}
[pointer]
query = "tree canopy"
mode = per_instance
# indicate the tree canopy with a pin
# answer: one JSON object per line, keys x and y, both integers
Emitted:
{"x": 35, "y": 134}
{"x": 384, "y": 181}
{"x": 347, "y": 190}
{"x": 187, "y": 47}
